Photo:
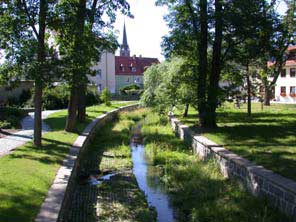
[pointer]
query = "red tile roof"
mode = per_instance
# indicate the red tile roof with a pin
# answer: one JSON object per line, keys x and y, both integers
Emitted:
{"x": 124, "y": 64}
{"x": 292, "y": 48}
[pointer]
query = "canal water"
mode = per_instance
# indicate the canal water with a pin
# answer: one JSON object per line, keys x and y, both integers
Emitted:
{"x": 149, "y": 183}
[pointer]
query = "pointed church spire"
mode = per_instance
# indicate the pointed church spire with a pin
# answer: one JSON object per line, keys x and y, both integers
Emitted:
{"x": 124, "y": 48}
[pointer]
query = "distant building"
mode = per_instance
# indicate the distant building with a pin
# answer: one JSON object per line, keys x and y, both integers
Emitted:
{"x": 129, "y": 70}
{"x": 105, "y": 73}
{"x": 285, "y": 88}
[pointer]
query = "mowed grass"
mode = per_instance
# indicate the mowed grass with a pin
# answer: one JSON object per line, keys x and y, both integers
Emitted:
{"x": 198, "y": 191}
{"x": 266, "y": 138}
{"x": 28, "y": 172}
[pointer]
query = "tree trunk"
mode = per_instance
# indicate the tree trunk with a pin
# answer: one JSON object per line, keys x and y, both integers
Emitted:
{"x": 38, "y": 114}
{"x": 185, "y": 114}
{"x": 38, "y": 79}
{"x": 72, "y": 110}
{"x": 216, "y": 69}
{"x": 267, "y": 95}
{"x": 81, "y": 115}
{"x": 77, "y": 80}
{"x": 249, "y": 92}
{"x": 203, "y": 62}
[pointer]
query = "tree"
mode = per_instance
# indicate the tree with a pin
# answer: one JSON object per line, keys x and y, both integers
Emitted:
{"x": 81, "y": 36}
{"x": 208, "y": 32}
{"x": 23, "y": 26}
{"x": 284, "y": 34}
{"x": 106, "y": 97}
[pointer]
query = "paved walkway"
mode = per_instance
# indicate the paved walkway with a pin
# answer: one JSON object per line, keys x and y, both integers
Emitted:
{"x": 9, "y": 143}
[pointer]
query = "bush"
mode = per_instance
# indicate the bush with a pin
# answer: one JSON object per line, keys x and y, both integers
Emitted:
{"x": 10, "y": 117}
{"x": 106, "y": 97}
{"x": 57, "y": 97}
{"x": 124, "y": 90}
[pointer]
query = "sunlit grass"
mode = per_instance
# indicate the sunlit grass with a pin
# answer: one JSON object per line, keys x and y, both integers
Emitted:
{"x": 198, "y": 190}
{"x": 118, "y": 199}
{"x": 266, "y": 138}
{"x": 27, "y": 173}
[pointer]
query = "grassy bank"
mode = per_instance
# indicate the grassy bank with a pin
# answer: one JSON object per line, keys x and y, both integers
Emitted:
{"x": 118, "y": 199}
{"x": 28, "y": 172}
{"x": 267, "y": 138}
{"x": 198, "y": 191}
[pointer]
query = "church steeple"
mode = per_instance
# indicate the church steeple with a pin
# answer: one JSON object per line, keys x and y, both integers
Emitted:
{"x": 124, "y": 48}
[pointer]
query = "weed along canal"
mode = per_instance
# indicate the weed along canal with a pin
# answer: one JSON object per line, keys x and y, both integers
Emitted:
{"x": 136, "y": 170}
{"x": 148, "y": 179}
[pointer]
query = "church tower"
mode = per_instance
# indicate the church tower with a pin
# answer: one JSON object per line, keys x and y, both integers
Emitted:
{"x": 124, "y": 48}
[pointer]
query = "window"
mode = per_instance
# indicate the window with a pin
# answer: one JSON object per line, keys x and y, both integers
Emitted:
{"x": 99, "y": 88}
{"x": 134, "y": 69}
{"x": 283, "y": 73}
{"x": 293, "y": 91}
{"x": 127, "y": 80}
{"x": 283, "y": 90}
{"x": 99, "y": 73}
{"x": 121, "y": 67}
{"x": 292, "y": 72}
{"x": 137, "y": 80}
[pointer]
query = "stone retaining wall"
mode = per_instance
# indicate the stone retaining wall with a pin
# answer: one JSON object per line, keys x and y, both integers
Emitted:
{"x": 59, "y": 195}
{"x": 280, "y": 191}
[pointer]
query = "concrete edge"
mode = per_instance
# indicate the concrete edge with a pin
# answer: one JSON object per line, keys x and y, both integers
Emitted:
{"x": 50, "y": 208}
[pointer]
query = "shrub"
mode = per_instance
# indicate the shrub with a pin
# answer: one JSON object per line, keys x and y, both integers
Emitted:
{"x": 10, "y": 117}
{"x": 124, "y": 90}
{"x": 57, "y": 97}
{"x": 106, "y": 97}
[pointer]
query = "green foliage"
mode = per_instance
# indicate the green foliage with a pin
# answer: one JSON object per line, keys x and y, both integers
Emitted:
{"x": 31, "y": 171}
{"x": 197, "y": 189}
{"x": 267, "y": 138}
{"x": 168, "y": 84}
{"x": 57, "y": 97}
{"x": 10, "y": 117}
{"x": 106, "y": 97}
{"x": 128, "y": 87}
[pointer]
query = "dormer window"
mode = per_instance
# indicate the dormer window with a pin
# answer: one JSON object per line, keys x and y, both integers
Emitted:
{"x": 121, "y": 67}
{"x": 134, "y": 69}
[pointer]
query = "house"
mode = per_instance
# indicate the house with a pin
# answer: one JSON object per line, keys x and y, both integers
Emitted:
{"x": 130, "y": 69}
{"x": 105, "y": 72}
{"x": 285, "y": 87}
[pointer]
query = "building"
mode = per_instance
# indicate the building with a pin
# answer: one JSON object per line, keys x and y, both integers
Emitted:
{"x": 130, "y": 69}
{"x": 285, "y": 88}
{"x": 105, "y": 73}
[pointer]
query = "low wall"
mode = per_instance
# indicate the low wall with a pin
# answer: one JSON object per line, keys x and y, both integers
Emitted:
{"x": 59, "y": 194}
{"x": 280, "y": 191}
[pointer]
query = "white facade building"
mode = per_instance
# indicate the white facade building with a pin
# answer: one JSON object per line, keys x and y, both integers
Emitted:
{"x": 285, "y": 88}
{"x": 105, "y": 73}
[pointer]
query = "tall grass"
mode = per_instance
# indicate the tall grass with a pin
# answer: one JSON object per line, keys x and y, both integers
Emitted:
{"x": 198, "y": 191}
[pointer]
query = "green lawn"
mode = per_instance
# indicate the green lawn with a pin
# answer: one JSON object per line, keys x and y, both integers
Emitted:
{"x": 267, "y": 138}
{"x": 27, "y": 173}
{"x": 197, "y": 189}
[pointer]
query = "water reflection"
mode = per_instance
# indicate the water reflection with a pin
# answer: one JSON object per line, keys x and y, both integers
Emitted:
{"x": 148, "y": 180}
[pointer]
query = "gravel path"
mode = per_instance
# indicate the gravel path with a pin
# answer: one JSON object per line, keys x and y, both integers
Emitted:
{"x": 11, "y": 142}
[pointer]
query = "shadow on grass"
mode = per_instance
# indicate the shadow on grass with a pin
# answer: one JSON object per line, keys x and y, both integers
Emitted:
{"x": 52, "y": 152}
{"x": 84, "y": 200}
{"x": 199, "y": 192}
